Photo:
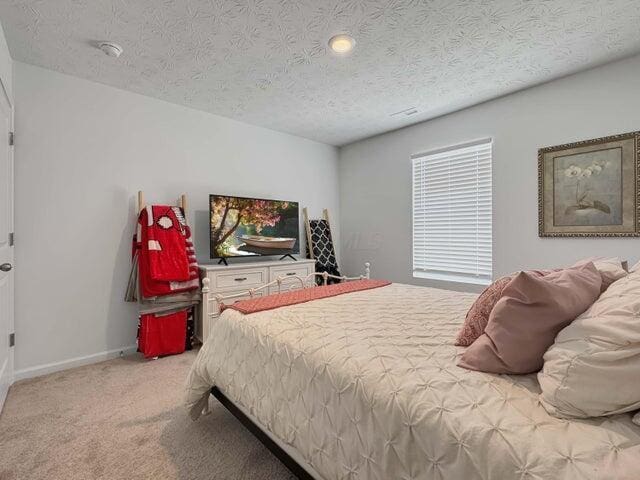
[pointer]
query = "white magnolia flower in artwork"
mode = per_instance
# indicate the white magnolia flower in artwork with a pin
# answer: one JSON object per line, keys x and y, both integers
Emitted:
{"x": 586, "y": 173}
{"x": 584, "y": 189}
{"x": 573, "y": 171}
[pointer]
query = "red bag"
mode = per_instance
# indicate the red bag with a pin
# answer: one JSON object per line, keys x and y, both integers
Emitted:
{"x": 162, "y": 334}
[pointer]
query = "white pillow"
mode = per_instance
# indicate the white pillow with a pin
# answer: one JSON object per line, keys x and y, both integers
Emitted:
{"x": 636, "y": 419}
{"x": 593, "y": 367}
{"x": 611, "y": 269}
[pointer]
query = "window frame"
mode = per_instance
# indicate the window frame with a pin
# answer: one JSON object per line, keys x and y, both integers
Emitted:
{"x": 449, "y": 276}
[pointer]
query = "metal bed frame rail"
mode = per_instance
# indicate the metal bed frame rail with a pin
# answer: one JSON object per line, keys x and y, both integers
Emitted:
{"x": 304, "y": 283}
{"x": 287, "y": 460}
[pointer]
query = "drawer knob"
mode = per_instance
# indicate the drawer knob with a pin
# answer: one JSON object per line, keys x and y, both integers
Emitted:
{"x": 291, "y": 273}
{"x": 240, "y": 279}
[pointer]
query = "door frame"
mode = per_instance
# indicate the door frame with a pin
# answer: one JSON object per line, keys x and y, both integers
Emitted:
{"x": 6, "y": 100}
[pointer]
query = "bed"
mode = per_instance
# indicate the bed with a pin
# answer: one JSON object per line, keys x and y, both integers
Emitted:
{"x": 365, "y": 385}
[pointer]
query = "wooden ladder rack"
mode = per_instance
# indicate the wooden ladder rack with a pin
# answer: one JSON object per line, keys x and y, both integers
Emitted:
{"x": 182, "y": 202}
{"x": 325, "y": 216}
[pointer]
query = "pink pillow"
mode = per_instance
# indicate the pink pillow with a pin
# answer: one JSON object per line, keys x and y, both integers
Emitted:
{"x": 526, "y": 320}
{"x": 478, "y": 315}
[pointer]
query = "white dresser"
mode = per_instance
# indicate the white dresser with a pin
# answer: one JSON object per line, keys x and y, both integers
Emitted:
{"x": 240, "y": 277}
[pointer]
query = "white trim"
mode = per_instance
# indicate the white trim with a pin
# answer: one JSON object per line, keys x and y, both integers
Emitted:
{"x": 39, "y": 370}
{"x": 3, "y": 395}
{"x": 451, "y": 277}
{"x": 7, "y": 372}
{"x": 435, "y": 151}
{"x": 4, "y": 386}
{"x": 5, "y": 94}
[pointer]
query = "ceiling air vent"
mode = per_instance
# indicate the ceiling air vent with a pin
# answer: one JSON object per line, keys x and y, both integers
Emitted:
{"x": 405, "y": 113}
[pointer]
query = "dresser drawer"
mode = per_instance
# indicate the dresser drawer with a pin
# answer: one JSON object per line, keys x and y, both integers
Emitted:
{"x": 240, "y": 279}
{"x": 289, "y": 271}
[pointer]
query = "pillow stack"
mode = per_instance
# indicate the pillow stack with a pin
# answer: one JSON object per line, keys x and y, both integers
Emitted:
{"x": 525, "y": 321}
{"x": 515, "y": 320}
{"x": 593, "y": 368}
{"x": 478, "y": 315}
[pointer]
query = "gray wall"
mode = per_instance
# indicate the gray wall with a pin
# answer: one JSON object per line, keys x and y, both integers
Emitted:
{"x": 375, "y": 174}
{"x": 83, "y": 151}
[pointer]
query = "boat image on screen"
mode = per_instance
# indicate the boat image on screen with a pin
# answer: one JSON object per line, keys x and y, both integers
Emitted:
{"x": 242, "y": 227}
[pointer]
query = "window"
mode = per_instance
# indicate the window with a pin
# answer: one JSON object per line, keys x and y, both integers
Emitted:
{"x": 452, "y": 214}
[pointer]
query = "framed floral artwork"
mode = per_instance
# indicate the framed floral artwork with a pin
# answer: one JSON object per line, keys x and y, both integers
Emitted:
{"x": 590, "y": 188}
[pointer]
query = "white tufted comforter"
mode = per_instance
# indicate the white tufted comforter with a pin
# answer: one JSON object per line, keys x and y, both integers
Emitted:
{"x": 365, "y": 385}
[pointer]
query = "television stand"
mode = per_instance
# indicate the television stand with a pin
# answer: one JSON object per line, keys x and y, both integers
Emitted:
{"x": 223, "y": 261}
{"x": 220, "y": 279}
{"x": 290, "y": 256}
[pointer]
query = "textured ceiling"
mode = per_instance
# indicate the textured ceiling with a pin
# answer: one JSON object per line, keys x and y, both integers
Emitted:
{"x": 266, "y": 62}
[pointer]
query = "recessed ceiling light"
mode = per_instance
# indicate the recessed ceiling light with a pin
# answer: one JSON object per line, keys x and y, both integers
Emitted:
{"x": 341, "y": 44}
{"x": 111, "y": 49}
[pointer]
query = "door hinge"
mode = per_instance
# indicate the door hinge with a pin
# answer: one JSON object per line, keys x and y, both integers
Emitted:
{"x": 12, "y": 339}
{"x": 11, "y": 139}
{"x": 11, "y": 239}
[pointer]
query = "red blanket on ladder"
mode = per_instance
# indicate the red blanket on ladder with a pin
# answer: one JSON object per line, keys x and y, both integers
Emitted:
{"x": 166, "y": 257}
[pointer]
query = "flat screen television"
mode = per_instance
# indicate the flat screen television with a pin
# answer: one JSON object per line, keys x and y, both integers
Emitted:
{"x": 245, "y": 227}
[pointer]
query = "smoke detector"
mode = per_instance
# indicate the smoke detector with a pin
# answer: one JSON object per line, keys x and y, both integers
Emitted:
{"x": 111, "y": 49}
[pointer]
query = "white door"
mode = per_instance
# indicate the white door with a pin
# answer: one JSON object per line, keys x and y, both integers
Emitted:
{"x": 6, "y": 247}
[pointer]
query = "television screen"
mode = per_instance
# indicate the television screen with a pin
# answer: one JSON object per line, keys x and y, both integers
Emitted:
{"x": 242, "y": 227}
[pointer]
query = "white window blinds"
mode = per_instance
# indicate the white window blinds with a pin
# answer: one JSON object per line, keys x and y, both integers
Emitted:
{"x": 452, "y": 214}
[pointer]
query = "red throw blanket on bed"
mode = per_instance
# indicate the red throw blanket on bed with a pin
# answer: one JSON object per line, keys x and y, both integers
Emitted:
{"x": 294, "y": 297}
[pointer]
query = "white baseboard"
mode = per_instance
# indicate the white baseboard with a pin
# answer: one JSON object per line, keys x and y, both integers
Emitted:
{"x": 39, "y": 370}
{"x": 5, "y": 383}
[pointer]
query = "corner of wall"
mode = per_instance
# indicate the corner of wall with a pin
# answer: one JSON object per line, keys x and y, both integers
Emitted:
{"x": 6, "y": 66}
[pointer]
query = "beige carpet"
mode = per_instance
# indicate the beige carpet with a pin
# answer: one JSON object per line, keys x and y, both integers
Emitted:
{"x": 123, "y": 419}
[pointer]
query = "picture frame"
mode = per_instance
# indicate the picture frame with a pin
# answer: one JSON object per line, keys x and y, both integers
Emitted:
{"x": 590, "y": 188}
